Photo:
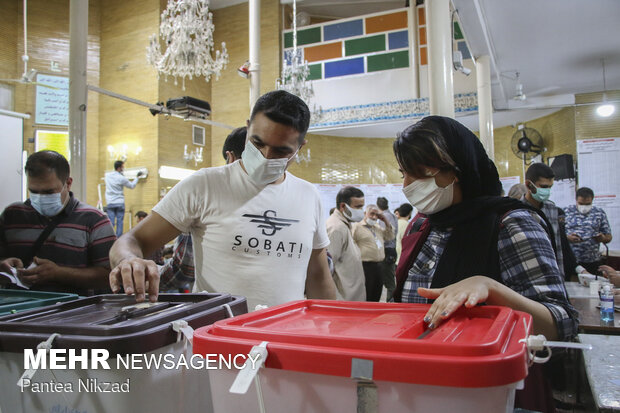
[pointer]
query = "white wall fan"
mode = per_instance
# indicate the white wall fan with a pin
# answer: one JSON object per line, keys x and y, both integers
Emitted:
{"x": 28, "y": 77}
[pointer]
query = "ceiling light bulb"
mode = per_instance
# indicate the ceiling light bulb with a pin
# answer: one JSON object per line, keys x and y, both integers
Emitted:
{"x": 605, "y": 110}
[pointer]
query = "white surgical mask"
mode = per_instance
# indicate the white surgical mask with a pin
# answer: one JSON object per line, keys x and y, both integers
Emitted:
{"x": 371, "y": 222}
{"x": 584, "y": 209}
{"x": 262, "y": 171}
{"x": 48, "y": 205}
{"x": 355, "y": 215}
{"x": 427, "y": 196}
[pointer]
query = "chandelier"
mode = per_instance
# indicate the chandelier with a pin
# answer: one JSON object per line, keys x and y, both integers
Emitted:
{"x": 186, "y": 30}
{"x": 295, "y": 70}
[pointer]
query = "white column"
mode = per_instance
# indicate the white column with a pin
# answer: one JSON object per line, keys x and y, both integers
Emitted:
{"x": 413, "y": 49}
{"x": 78, "y": 47}
{"x": 254, "y": 51}
{"x": 439, "y": 32}
{"x": 485, "y": 104}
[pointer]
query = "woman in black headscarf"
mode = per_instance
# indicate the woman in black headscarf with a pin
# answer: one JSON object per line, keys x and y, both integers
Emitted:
{"x": 472, "y": 246}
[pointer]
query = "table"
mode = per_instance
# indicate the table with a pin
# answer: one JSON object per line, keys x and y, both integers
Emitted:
{"x": 576, "y": 290}
{"x": 602, "y": 365}
{"x": 590, "y": 317}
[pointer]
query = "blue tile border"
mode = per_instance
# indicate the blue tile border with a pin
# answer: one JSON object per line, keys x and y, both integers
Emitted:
{"x": 399, "y": 109}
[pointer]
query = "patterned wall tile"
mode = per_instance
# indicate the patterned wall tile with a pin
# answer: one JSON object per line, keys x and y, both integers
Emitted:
{"x": 398, "y": 40}
{"x": 344, "y": 29}
{"x": 323, "y": 52}
{"x": 364, "y": 45}
{"x": 307, "y": 36}
{"x": 344, "y": 67}
{"x": 388, "y": 61}
{"x": 385, "y": 22}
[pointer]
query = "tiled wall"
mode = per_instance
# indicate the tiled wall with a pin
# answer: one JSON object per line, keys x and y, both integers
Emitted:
{"x": 336, "y": 160}
{"x": 560, "y": 131}
{"x": 230, "y": 96}
{"x": 353, "y": 46}
{"x": 459, "y": 39}
{"x": 48, "y": 39}
{"x": 422, "y": 40}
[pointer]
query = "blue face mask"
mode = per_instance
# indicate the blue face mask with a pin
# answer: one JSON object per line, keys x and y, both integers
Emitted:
{"x": 542, "y": 194}
{"x": 48, "y": 205}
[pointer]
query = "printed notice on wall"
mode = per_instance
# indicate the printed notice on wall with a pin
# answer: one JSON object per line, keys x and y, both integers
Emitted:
{"x": 597, "y": 161}
{"x": 52, "y": 103}
{"x": 563, "y": 192}
{"x": 508, "y": 182}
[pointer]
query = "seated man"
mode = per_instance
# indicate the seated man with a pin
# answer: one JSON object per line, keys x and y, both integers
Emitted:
{"x": 258, "y": 231}
{"x": 67, "y": 241}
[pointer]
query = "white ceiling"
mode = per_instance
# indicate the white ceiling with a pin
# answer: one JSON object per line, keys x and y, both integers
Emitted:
{"x": 556, "y": 45}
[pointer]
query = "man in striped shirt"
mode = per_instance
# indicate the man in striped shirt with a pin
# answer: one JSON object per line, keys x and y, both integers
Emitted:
{"x": 74, "y": 256}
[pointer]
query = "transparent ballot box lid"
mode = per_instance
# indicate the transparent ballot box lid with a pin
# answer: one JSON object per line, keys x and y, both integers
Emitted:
{"x": 115, "y": 322}
{"x": 476, "y": 347}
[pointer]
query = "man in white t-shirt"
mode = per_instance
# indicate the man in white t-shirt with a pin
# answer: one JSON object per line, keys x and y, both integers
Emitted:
{"x": 258, "y": 231}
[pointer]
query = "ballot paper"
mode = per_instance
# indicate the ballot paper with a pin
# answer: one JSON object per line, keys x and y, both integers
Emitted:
{"x": 12, "y": 278}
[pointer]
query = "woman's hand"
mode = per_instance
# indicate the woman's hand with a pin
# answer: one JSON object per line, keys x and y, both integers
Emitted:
{"x": 468, "y": 292}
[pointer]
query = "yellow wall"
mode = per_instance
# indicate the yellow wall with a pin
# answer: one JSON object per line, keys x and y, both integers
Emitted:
{"x": 126, "y": 27}
{"x": 175, "y": 133}
{"x": 588, "y": 124}
{"x": 558, "y": 135}
{"x": 8, "y": 40}
{"x": 118, "y": 36}
{"x": 48, "y": 39}
{"x": 560, "y": 132}
{"x": 336, "y": 160}
{"x": 231, "y": 93}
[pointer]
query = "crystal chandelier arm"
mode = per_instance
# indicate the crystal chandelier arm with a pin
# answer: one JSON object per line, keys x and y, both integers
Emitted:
{"x": 186, "y": 29}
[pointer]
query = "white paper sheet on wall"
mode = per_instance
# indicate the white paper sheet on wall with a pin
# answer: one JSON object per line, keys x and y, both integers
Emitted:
{"x": 563, "y": 192}
{"x": 508, "y": 182}
{"x": 597, "y": 168}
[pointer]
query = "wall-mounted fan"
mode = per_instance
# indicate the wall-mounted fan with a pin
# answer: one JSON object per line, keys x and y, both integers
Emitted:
{"x": 28, "y": 77}
{"x": 526, "y": 143}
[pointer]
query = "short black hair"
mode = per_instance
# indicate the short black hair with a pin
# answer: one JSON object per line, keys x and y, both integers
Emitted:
{"x": 404, "y": 209}
{"x": 539, "y": 170}
{"x": 585, "y": 192}
{"x": 283, "y": 107}
{"x": 235, "y": 142}
{"x": 118, "y": 164}
{"x": 141, "y": 214}
{"x": 346, "y": 193}
{"x": 382, "y": 203}
{"x": 43, "y": 162}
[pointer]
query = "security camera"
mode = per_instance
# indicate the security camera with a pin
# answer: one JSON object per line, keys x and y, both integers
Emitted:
{"x": 457, "y": 62}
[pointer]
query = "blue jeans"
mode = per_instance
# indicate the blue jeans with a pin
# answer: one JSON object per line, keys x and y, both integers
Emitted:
{"x": 116, "y": 211}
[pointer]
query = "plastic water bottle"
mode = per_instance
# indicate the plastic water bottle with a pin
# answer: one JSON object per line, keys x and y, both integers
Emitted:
{"x": 607, "y": 304}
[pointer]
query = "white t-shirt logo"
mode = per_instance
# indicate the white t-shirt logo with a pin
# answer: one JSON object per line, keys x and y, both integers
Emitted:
{"x": 269, "y": 223}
